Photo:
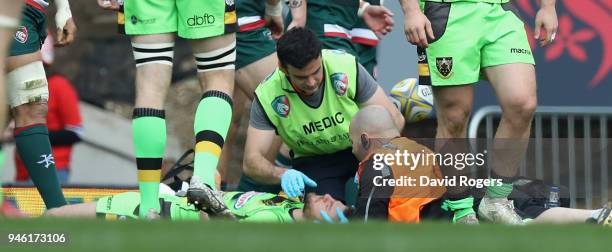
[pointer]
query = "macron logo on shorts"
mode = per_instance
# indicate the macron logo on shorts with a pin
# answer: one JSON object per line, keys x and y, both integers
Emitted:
{"x": 520, "y": 51}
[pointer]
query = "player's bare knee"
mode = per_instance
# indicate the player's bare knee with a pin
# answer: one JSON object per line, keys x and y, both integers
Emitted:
{"x": 454, "y": 121}
{"x": 520, "y": 110}
{"x": 33, "y": 110}
{"x": 38, "y": 110}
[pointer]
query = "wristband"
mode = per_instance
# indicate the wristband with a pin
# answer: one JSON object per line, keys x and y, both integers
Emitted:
{"x": 362, "y": 9}
{"x": 63, "y": 13}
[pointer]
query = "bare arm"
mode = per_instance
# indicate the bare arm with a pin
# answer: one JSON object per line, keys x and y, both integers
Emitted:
{"x": 378, "y": 18}
{"x": 298, "y": 13}
{"x": 255, "y": 164}
{"x": 273, "y": 17}
{"x": 379, "y": 98}
{"x": 416, "y": 25}
{"x": 546, "y": 23}
{"x": 66, "y": 27}
{"x": 410, "y": 5}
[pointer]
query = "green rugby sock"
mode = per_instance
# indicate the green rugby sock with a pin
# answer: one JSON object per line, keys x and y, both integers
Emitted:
{"x": 212, "y": 120}
{"x": 502, "y": 191}
{"x": 149, "y": 129}
{"x": 35, "y": 150}
{"x": 460, "y": 207}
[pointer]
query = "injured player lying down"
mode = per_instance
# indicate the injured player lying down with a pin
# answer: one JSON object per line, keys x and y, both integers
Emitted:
{"x": 240, "y": 206}
{"x": 266, "y": 207}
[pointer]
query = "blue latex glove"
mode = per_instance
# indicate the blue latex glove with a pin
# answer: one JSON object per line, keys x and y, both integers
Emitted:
{"x": 293, "y": 181}
{"x": 341, "y": 217}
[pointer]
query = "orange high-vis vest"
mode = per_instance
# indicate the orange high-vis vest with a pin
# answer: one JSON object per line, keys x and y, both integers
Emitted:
{"x": 406, "y": 202}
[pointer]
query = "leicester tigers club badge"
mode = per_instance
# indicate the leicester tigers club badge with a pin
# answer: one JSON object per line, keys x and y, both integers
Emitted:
{"x": 340, "y": 82}
{"x": 444, "y": 66}
{"x": 21, "y": 35}
{"x": 281, "y": 106}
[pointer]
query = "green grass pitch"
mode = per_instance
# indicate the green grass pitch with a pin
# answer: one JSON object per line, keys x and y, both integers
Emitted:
{"x": 107, "y": 236}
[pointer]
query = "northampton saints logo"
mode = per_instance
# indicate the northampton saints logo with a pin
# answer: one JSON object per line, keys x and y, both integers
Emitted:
{"x": 281, "y": 106}
{"x": 445, "y": 66}
{"x": 340, "y": 82}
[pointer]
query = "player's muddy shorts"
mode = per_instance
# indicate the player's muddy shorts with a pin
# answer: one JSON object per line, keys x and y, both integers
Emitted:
{"x": 253, "y": 45}
{"x": 30, "y": 34}
{"x": 191, "y": 19}
{"x": 470, "y": 36}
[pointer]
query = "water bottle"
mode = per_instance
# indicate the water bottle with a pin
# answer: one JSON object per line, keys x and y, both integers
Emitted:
{"x": 553, "y": 198}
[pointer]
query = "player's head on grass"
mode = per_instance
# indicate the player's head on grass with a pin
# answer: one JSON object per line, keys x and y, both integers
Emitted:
{"x": 299, "y": 57}
{"x": 313, "y": 204}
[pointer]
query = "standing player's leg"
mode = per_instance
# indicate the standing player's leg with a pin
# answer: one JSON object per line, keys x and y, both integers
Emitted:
{"x": 9, "y": 20}
{"x": 453, "y": 107}
{"x": 153, "y": 55}
{"x": 451, "y": 63}
{"x": 213, "y": 41}
{"x": 152, "y": 26}
{"x": 28, "y": 95}
{"x": 515, "y": 87}
{"x": 215, "y": 57}
{"x": 508, "y": 63}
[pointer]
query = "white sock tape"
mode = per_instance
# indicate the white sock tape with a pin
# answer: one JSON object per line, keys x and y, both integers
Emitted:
{"x": 27, "y": 84}
{"x": 159, "y": 53}
{"x": 219, "y": 59}
{"x": 63, "y": 13}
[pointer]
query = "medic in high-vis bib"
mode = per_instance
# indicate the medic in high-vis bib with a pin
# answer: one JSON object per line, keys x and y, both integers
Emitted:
{"x": 309, "y": 101}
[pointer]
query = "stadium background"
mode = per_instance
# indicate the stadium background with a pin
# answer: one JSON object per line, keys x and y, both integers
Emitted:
{"x": 575, "y": 70}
